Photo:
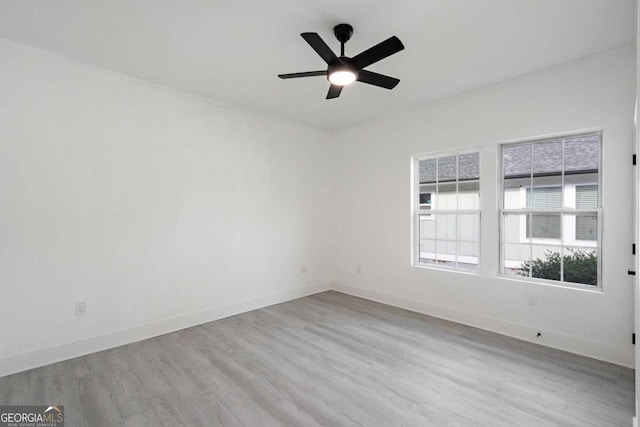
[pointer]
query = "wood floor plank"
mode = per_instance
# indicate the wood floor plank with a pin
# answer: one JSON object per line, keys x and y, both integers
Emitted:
{"x": 330, "y": 360}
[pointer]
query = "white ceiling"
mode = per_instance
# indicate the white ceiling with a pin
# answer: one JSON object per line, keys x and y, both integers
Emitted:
{"x": 232, "y": 50}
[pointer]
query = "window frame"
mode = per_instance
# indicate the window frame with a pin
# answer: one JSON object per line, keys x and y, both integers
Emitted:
{"x": 416, "y": 210}
{"x": 562, "y": 211}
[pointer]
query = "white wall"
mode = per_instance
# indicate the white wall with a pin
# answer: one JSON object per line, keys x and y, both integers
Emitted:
{"x": 373, "y": 219}
{"x": 158, "y": 208}
{"x": 163, "y": 210}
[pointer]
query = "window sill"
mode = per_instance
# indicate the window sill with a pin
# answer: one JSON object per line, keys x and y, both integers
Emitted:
{"x": 448, "y": 269}
{"x": 552, "y": 283}
{"x": 523, "y": 280}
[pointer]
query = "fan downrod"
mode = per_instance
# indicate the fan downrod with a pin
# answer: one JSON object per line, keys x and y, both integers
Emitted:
{"x": 343, "y": 33}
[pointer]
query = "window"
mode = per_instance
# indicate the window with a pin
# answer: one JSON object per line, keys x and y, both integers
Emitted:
{"x": 551, "y": 210}
{"x": 447, "y": 213}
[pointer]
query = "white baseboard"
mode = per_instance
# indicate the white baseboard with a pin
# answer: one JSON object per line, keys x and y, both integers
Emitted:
{"x": 74, "y": 349}
{"x": 46, "y": 356}
{"x": 605, "y": 352}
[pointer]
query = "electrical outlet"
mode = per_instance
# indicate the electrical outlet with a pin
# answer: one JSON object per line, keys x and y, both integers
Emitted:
{"x": 359, "y": 269}
{"x": 81, "y": 308}
{"x": 532, "y": 300}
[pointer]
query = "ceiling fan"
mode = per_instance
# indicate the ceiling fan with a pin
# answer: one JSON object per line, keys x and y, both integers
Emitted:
{"x": 342, "y": 70}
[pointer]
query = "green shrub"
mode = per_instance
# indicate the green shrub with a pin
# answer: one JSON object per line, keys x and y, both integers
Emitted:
{"x": 579, "y": 267}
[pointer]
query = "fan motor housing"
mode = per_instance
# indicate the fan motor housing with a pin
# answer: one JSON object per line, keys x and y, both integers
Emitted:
{"x": 343, "y": 32}
{"x": 342, "y": 67}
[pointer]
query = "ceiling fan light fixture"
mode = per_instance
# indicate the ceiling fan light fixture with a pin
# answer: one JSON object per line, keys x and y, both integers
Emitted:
{"x": 343, "y": 70}
{"x": 342, "y": 77}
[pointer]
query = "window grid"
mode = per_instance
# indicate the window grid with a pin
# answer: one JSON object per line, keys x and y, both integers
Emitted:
{"x": 563, "y": 246}
{"x": 435, "y": 213}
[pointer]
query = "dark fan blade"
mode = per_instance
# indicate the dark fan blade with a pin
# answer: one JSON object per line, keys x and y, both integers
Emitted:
{"x": 305, "y": 74}
{"x": 334, "y": 91}
{"x": 321, "y": 48}
{"x": 376, "y": 79}
{"x": 380, "y": 51}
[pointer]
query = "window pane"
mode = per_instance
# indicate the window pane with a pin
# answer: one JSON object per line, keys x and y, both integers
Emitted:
{"x": 514, "y": 192}
{"x": 586, "y": 196}
{"x": 469, "y": 227}
{"x": 445, "y": 227}
{"x": 427, "y": 170}
{"x": 447, "y": 169}
{"x": 427, "y": 251}
{"x": 582, "y": 154}
{"x": 447, "y": 196}
{"x": 516, "y": 259}
{"x": 514, "y": 228}
{"x": 544, "y": 197}
{"x": 446, "y": 252}
{"x": 581, "y": 266}
{"x": 545, "y": 263}
{"x": 587, "y": 227}
{"x": 468, "y": 237}
{"x": 544, "y": 226}
{"x": 426, "y": 198}
{"x": 516, "y": 252}
{"x": 427, "y": 227}
{"x": 516, "y": 174}
{"x": 469, "y": 195}
{"x": 582, "y": 160}
{"x": 468, "y": 255}
{"x": 468, "y": 166}
{"x": 468, "y": 250}
{"x": 547, "y": 158}
{"x": 517, "y": 161}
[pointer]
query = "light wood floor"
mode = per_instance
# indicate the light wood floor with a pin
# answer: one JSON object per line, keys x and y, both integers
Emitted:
{"x": 333, "y": 360}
